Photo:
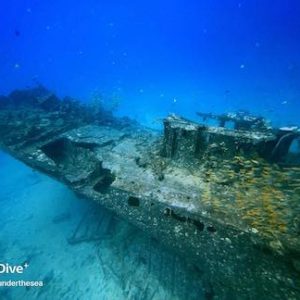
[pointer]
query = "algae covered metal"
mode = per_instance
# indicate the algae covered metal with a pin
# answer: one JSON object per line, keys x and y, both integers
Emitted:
{"x": 224, "y": 196}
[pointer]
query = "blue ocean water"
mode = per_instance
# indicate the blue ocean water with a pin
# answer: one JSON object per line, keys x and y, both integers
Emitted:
{"x": 155, "y": 57}
{"x": 158, "y": 56}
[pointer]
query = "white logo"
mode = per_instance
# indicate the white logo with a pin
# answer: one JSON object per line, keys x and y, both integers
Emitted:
{"x": 11, "y": 269}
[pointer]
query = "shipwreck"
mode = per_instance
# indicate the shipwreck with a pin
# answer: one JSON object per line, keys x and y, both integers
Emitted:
{"x": 224, "y": 196}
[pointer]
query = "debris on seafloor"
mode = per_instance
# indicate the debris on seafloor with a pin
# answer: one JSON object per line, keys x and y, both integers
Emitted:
{"x": 225, "y": 197}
